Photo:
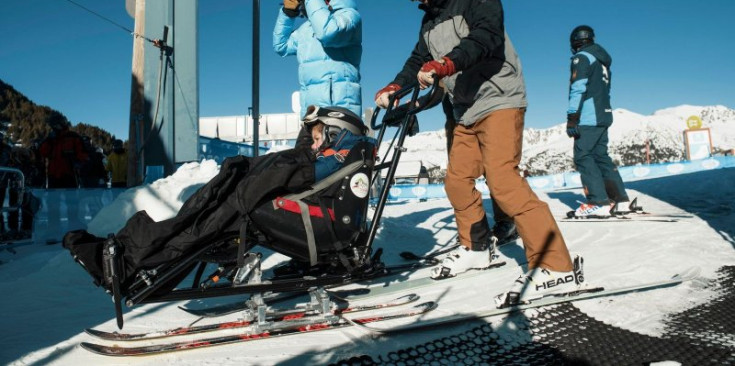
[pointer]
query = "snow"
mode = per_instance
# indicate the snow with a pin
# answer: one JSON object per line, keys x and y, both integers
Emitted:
{"x": 48, "y": 299}
{"x": 161, "y": 199}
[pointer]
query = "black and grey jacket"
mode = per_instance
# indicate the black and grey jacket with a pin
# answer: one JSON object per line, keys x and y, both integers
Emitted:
{"x": 471, "y": 33}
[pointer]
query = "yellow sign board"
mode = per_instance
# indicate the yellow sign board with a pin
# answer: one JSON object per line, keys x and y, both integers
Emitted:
{"x": 694, "y": 123}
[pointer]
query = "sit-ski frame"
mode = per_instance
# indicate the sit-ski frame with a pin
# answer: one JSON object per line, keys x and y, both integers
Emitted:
{"x": 251, "y": 283}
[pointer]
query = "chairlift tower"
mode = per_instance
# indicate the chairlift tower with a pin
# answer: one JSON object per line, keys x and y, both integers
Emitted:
{"x": 164, "y": 111}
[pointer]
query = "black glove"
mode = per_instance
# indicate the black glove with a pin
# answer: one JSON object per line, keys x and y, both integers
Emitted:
{"x": 291, "y": 7}
{"x": 572, "y": 123}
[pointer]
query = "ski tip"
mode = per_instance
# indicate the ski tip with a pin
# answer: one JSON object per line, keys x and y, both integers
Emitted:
{"x": 427, "y": 306}
{"x": 409, "y": 256}
{"x": 689, "y": 273}
{"x": 100, "y": 349}
{"x": 98, "y": 333}
{"x": 191, "y": 311}
{"x": 409, "y": 297}
{"x": 110, "y": 336}
{"x": 210, "y": 312}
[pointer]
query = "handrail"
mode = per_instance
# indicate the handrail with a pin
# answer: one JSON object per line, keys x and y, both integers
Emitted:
{"x": 21, "y": 188}
{"x": 412, "y": 109}
{"x": 425, "y": 102}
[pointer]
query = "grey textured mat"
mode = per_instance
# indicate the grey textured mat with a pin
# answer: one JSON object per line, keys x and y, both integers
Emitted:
{"x": 563, "y": 335}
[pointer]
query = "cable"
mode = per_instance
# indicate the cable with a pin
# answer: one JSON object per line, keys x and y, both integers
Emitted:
{"x": 113, "y": 22}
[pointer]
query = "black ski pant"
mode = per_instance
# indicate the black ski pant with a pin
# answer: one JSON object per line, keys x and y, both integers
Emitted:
{"x": 600, "y": 177}
{"x": 26, "y": 210}
{"x": 215, "y": 210}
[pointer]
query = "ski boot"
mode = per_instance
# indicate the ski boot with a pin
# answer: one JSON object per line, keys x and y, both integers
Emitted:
{"x": 540, "y": 282}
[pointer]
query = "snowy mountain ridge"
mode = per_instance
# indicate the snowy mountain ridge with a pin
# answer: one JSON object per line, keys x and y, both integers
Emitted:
{"x": 547, "y": 151}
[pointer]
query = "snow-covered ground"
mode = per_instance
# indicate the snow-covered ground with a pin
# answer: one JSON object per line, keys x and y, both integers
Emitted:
{"x": 48, "y": 299}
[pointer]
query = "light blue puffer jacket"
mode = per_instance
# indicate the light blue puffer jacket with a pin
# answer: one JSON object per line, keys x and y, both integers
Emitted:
{"x": 328, "y": 46}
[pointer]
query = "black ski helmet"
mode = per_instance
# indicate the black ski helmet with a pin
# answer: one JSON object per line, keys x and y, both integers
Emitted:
{"x": 117, "y": 144}
{"x": 335, "y": 119}
{"x": 581, "y": 36}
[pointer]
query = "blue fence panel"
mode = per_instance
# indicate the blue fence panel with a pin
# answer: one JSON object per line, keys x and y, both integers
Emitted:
{"x": 218, "y": 150}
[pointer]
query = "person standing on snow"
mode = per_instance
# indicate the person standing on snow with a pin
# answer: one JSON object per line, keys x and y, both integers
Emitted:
{"x": 328, "y": 47}
{"x": 504, "y": 229}
{"x": 588, "y": 118}
{"x": 64, "y": 154}
{"x": 117, "y": 165}
{"x": 464, "y": 44}
{"x": 5, "y": 179}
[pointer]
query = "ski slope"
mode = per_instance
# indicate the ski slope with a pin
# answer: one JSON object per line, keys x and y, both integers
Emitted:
{"x": 48, "y": 299}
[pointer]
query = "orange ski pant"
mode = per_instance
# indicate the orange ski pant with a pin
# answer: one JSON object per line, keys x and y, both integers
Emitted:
{"x": 492, "y": 147}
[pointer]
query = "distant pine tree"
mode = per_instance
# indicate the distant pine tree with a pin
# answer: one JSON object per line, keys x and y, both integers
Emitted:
{"x": 633, "y": 154}
{"x": 26, "y": 121}
{"x": 98, "y": 136}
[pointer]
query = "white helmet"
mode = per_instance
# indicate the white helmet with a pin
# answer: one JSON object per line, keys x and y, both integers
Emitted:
{"x": 335, "y": 119}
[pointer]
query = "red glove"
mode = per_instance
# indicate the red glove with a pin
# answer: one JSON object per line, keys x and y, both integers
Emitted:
{"x": 442, "y": 68}
{"x": 383, "y": 95}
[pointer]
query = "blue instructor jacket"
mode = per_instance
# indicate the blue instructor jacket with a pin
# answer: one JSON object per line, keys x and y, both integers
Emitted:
{"x": 328, "y": 46}
{"x": 589, "y": 90}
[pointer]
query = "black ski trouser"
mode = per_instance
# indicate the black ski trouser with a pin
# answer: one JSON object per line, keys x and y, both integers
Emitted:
{"x": 600, "y": 177}
{"x": 3, "y": 191}
{"x": 26, "y": 210}
{"x": 217, "y": 208}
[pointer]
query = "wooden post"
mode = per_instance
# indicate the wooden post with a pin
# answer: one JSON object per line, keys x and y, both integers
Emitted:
{"x": 137, "y": 99}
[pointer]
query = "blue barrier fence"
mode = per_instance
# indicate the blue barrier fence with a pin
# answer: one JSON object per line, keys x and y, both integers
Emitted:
{"x": 209, "y": 148}
{"x": 63, "y": 210}
{"x": 219, "y": 150}
{"x": 571, "y": 179}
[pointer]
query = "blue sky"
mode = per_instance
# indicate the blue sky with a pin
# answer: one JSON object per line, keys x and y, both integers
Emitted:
{"x": 665, "y": 53}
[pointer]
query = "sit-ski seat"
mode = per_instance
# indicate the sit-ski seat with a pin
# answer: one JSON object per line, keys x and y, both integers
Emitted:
{"x": 321, "y": 225}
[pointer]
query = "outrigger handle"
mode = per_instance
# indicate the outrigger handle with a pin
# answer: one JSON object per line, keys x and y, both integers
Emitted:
{"x": 401, "y": 117}
{"x": 395, "y": 114}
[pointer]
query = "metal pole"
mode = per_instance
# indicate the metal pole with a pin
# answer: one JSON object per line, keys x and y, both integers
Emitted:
{"x": 169, "y": 165}
{"x": 256, "y": 75}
